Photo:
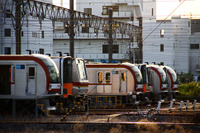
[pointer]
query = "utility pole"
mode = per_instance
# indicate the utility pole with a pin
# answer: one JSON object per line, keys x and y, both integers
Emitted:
{"x": 140, "y": 42}
{"x": 71, "y": 28}
{"x": 110, "y": 40}
{"x": 18, "y": 26}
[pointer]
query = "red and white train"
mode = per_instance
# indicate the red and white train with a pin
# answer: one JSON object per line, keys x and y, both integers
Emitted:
{"x": 121, "y": 82}
{"x": 74, "y": 79}
{"x": 28, "y": 77}
{"x": 172, "y": 81}
{"x": 156, "y": 81}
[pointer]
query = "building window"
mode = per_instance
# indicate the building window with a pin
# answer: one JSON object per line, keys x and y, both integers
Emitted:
{"x": 115, "y": 48}
{"x": 7, "y": 50}
{"x": 106, "y": 8}
{"x": 41, "y": 51}
{"x": 162, "y": 32}
{"x": 88, "y": 10}
{"x": 22, "y": 33}
{"x": 161, "y": 47}
{"x": 7, "y": 32}
{"x": 85, "y": 29}
{"x": 8, "y": 14}
{"x": 194, "y": 46}
{"x": 152, "y": 11}
{"x": 34, "y": 34}
{"x": 42, "y": 34}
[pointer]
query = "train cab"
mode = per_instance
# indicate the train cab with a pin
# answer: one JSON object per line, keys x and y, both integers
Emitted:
{"x": 73, "y": 76}
{"x": 28, "y": 77}
{"x": 158, "y": 80}
{"x": 172, "y": 81}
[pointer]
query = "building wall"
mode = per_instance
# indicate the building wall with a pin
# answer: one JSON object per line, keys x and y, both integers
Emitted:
{"x": 89, "y": 45}
{"x": 31, "y": 36}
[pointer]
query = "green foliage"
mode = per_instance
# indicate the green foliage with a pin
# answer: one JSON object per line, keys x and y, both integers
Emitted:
{"x": 186, "y": 77}
{"x": 191, "y": 89}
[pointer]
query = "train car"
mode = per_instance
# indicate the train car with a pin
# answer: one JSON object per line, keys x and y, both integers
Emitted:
{"x": 74, "y": 78}
{"x": 156, "y": 82}
{"x": 172, "y": 81}
{"x": 112, "y": 84}
{"x": 28, "y": 79}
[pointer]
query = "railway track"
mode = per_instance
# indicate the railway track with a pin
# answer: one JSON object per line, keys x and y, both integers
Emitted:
{"x": 86, "y": 126}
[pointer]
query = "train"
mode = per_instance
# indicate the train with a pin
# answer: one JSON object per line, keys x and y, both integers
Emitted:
{"x": 74, "y": 79}
{"x": 28, "y": 77}
{"x": 61, "y": 82}
{"x": 27, "y": 80}
{"x": 47, "y": 83}
{"x": 114, "y": 84}
{"x": 161, "y": 80}
{"x": 173, "y": 83}
{"x": 156, "y": 80}
{"x": 128, "y": 83}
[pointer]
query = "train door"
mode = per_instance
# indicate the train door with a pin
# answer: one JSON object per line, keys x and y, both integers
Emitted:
{"x": 31, "y": 77}
{"x": 116, "y": 82}
{"x": 123, "y": 82}
{"x": 5, "y": 79}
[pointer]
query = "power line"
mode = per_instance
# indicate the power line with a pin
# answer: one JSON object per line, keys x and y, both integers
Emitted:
{"x": 164, "y": 20}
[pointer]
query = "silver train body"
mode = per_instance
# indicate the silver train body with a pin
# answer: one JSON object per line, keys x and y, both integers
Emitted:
{"x": 115, "y": 80}
{"x": 74, "y": 79}
{"x": 156, "y": 82}
{"x": 28, "y": 77}
{"x": 172, "y": 81}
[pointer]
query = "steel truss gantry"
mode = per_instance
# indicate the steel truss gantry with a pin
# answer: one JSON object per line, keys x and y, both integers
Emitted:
{"x": 43, "y": 10}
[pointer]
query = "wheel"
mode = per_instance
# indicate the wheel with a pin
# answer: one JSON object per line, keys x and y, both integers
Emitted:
{"x": 151, "y": 115}
{"x": 134, "y": 116}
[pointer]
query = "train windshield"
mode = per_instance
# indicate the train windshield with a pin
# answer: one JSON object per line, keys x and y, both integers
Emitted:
{"x": 173, "y": 73}
{"x": 137, "y": 74}
{"x": 162, "y": 74}
{"x": 52, "y": 68}
{"x": 82, "y": 69}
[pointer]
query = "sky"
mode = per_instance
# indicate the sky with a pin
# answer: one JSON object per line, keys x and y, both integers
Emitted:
{"x": 164, "y": 7}
{"x": 187, "y": 9}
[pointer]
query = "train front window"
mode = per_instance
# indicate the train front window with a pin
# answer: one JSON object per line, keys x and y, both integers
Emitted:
{"x": 82, "y": 70}
{"x": 162, "y": 74}
{"x": 137, "y": 74}
{"x": 67, "y": 70}
{"x": 174, "y": 76}
{"x": 53, "y": 70}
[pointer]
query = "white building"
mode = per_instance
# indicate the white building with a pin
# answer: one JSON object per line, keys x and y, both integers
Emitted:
{"x": 92, "y": 45}
{"x": 173, "y": 42}
{"x": 34, "y": 36}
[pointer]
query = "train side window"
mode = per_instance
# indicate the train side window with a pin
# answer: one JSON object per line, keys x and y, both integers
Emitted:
{"x": 107, "y": 77}
{"x": 31, "y": 72}
{"x": 123, "y": 76}
{"x": 12, "y": 74}
{"x": 100, "y": 77}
